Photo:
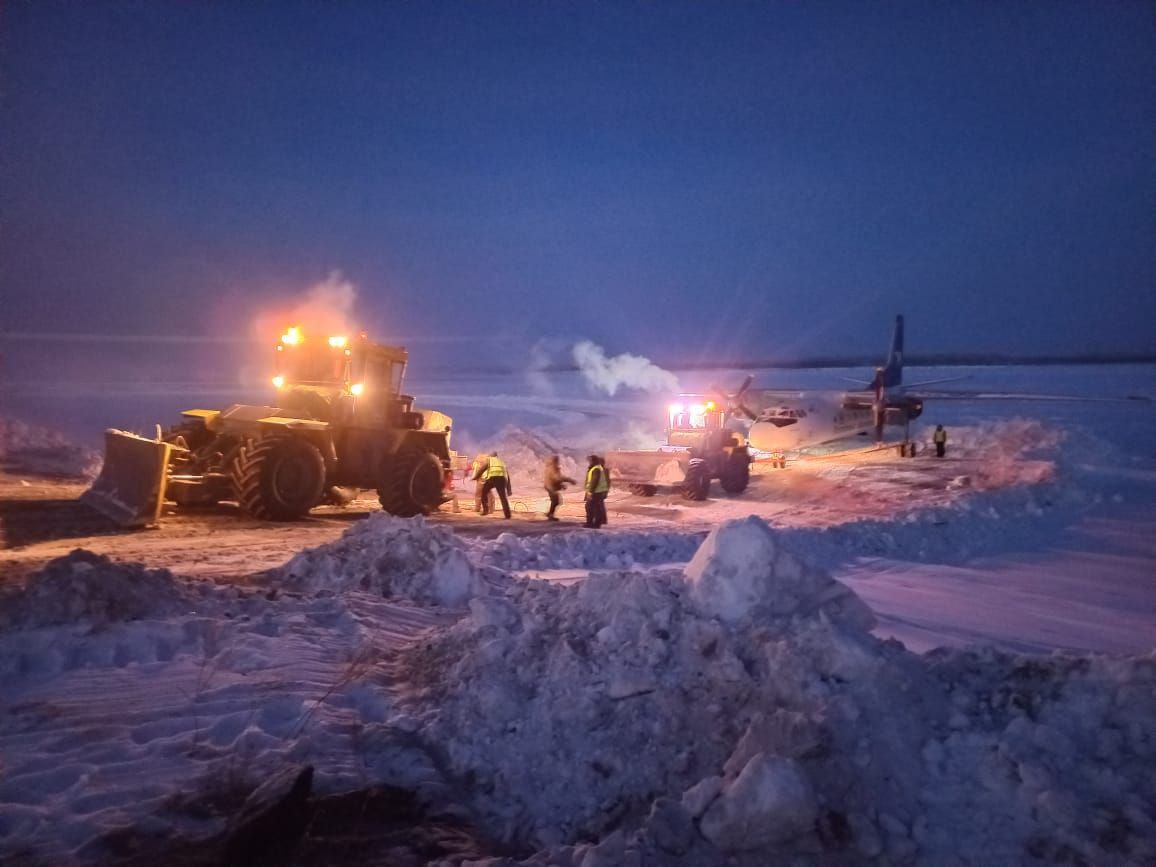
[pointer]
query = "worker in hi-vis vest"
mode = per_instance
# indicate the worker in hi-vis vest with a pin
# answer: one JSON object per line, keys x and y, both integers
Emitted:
{"x": 497, "y": 479}
{"x": 597, "y": 487}
{"x": 940, "y": 440}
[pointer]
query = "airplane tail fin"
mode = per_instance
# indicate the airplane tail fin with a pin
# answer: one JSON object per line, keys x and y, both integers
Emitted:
{"x": 893, "y": 370}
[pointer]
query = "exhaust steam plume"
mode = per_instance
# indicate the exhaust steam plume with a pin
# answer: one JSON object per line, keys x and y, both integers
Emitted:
{"x": 621, "y": 371}
{"x": 326, "y": 308}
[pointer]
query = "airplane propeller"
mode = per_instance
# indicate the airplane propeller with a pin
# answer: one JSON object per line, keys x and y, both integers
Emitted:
{"x": 734, "y": 402}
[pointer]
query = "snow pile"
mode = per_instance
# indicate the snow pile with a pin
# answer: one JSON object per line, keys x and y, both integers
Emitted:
{"x": 1005, "y": 448}
{"x": 26, "y": 448}
{"x": 392, "y": 557}
{"x": 743, "y": 712}
{"x": 627, "y": 681}
{"x": 88, "y": 587}
{"x": 525, "y": 452}
{"x": 580, "y": 550}
{"x": 1051, "y": 758}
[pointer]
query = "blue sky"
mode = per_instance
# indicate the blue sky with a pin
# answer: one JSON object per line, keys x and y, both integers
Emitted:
{"x": 680, "y": 180}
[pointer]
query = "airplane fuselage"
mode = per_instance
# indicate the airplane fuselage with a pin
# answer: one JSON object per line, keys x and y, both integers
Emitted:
{"x": 786, "y": 425}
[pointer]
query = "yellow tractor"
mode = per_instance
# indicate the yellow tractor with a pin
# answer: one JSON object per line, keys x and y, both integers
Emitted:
{"x": 342, "y": 422}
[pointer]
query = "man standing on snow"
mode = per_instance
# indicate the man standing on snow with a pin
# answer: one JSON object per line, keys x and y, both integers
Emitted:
{"x": 554, "y": 482}
{"x": 940, "y": 440}
{"x": 483, "y": 502}
{"x": 497, "y": 479}
{"x": 597, "y": 487}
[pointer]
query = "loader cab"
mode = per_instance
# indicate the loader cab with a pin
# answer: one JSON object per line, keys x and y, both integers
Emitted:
{"x": 690, "y": 418}
{"x": 378, "y": 374}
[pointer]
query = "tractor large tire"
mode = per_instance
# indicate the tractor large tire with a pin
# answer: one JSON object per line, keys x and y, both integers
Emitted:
{"x": 642, "y": 490}
{"x": 279, "y": 478}
{"x": 412, "y": 484}
{"x": 736, "y": 473}
{"x": 696, "y": 486}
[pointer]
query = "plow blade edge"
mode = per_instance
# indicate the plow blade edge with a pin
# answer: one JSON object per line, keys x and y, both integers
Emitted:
{"x": 131, "y": 487}
{"x": 647, "y": 467}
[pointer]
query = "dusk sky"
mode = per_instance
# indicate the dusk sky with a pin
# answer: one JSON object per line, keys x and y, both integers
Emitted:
{"x": 679, "y": 180}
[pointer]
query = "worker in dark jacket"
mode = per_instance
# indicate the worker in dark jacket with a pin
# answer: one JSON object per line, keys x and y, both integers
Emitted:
{"x": 597, "y": 487}
{"x": 554, "y": 482}
{"x": 940, "y": 440}
{"x": 483, "y": 503}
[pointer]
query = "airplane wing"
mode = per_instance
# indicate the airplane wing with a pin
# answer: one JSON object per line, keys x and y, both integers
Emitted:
{"x": 1019, "y": 395}
{"x": 933, "y": 382}
{"x": 784, "y": 393}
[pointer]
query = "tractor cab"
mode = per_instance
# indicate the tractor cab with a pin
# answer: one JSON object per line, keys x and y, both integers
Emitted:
{"x": 691, "y": 419}
{"x": 348, "y": 380}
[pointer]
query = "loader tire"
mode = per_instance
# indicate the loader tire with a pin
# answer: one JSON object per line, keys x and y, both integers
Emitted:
{"x": 736, "y": 474}
{"x": 642, "y": 490}
{"x": 696, "y": 486}
{"x": 279, "y": 478}
{"x": 412, "y": 483}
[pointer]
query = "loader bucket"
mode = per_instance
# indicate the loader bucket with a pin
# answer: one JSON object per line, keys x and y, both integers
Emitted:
{"x": 131, "y": 487}
{"x": 647, "y": 468}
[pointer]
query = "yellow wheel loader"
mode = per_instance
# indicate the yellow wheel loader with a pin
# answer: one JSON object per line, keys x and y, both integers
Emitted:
{"x": 700, "y": 447}
{"x": 342, "y": 422}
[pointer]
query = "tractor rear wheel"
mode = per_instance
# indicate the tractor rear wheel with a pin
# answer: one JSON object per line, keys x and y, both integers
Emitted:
{"x": 412, "y": 483}
{"x": 642, "y": 490}
{"x": 278, "y": 478}
{"x": 736, "y": 473}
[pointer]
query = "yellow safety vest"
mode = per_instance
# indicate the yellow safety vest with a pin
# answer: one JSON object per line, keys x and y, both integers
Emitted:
{"x": 496, "y": 470}
{"x": 940, "y": 436}
{"x": 603, "y": 485}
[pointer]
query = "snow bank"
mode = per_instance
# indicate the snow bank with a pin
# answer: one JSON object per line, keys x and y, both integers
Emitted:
{"x": 88, "y": 587}
{"x": 26, "y": 448}
{"x": 585, "y": 550}
{"x": 392, "y": 557}
{"x": 742, "y": 711}
{"x": 976, "y": 525}
{"x": 525, "y": 450}
{"x": 572, "y": 706}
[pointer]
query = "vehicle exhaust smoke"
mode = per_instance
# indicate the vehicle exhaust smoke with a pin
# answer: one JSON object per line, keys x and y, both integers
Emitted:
{"x": 621, "y": 371}
{"x": 326, "y": 308}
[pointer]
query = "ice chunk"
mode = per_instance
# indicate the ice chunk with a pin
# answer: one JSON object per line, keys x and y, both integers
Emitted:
{"x": 742, "y": 569}
{"x": 771, "y": 801}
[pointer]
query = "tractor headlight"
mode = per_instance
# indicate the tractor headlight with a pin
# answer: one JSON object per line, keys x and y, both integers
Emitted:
{"x": 278, "y": 381}
{"x": 356, "y": 389}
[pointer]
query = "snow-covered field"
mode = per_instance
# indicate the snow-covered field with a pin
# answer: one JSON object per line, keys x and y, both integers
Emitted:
{"x": 700, "y": 684}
